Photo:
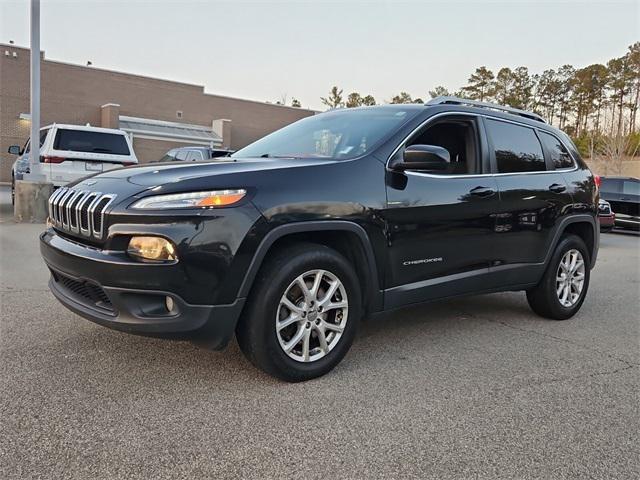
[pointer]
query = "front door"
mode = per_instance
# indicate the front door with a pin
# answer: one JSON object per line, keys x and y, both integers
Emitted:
{"x": 441, "y": 225}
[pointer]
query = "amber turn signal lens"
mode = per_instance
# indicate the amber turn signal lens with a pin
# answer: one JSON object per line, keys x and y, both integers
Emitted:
{"x": 221, "y": 199}
{"x": 157, "y": 249}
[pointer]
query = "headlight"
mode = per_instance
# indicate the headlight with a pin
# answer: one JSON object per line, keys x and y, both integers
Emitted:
{"x": 157, "y": 249}
{"x": 215, "y": 198}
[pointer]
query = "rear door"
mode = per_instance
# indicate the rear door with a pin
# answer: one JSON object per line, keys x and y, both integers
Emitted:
{"x": 533, "y": 195}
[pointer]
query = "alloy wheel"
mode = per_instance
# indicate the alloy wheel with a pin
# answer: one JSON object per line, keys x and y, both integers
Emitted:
{"x": 312, "y": 315}
{"x": 570, "y": 278}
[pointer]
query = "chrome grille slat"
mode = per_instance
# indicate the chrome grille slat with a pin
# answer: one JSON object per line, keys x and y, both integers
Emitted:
{"x": 61, "y": 211}
{"x": 56, "y": 213}
{"x": 52, "y": 199}
{"x": 68, "y": 207}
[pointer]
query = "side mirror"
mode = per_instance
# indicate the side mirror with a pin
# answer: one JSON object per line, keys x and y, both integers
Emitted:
{"x": 423, "y": 157}
{"x": 15, "y": 150}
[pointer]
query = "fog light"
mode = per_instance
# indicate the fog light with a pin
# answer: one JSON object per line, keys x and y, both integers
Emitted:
{"x": 169, "y": 304}
{"x": 156, "y": 249}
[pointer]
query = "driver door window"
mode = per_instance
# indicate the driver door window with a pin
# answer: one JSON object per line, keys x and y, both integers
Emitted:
{"x": 460, "y": 138}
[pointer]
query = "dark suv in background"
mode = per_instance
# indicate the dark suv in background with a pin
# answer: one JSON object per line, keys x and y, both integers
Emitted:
{"x": 623, "y": 193}
{"x": 291, "y": 240}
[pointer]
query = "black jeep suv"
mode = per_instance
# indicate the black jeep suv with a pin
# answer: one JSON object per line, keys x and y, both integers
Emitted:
{"x": 291, "y": 240}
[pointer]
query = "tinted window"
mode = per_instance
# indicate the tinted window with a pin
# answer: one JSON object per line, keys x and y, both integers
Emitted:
{"x": 458, "y": 138}
{"x": 517, "y": 149}
{"x": 338, "y": 134}
{"x": 631, "y": 188}
{"x": 610, "y": 185}
{"x": 170, "y": 156}
{"x": 93, "y": 142}
{"x": 194, "y": 155}
{"x": 43, "y": 136}
{"x": 559, "y": 154}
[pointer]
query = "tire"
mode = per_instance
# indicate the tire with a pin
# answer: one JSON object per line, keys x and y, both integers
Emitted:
{"x": 13, "y": 190}
{"x": 545, "y": 299}
{"x": 257, "y": 333}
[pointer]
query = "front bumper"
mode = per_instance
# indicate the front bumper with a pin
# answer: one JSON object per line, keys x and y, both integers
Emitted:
{"x": 85, "y": 280}
{"x": 606, "y": 222}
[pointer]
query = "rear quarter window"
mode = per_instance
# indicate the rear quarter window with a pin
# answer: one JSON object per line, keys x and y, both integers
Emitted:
{"x": 91, "y": 142}
{"x": 560, "y": 156}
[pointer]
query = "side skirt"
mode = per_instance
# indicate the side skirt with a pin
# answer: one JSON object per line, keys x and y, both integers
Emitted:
{"x": 484, "y": 280}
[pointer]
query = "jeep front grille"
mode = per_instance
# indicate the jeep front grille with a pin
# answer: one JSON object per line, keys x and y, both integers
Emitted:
{"x": 79, "y": 211}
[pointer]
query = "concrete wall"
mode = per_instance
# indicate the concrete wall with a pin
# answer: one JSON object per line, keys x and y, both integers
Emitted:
{"x": 75, "y": 94}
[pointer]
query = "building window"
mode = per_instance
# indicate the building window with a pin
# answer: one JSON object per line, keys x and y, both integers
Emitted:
{"x": 179, "y": 114}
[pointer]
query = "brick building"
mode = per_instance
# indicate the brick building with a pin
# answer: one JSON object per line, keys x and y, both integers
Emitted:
{"x": 157, "y": 114}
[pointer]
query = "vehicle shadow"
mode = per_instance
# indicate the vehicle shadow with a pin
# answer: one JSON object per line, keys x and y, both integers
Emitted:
{"x": 161, "y": 360}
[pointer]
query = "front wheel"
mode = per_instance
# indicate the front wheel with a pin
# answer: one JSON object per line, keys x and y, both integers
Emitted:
{"x": 302, "y": 314}
{"x": 560, "y": 293}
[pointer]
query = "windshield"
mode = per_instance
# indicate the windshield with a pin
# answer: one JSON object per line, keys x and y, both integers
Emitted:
{"x": 338, "y": 134}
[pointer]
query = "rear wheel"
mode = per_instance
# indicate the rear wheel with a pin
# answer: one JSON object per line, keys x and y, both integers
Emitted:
{"x": 560, "y": 293}
{"x": 302, "y": 314}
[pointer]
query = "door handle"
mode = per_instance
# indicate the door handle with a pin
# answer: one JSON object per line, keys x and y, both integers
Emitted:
{"x": 482, "y": 191}
{"x": 557, "y": 188}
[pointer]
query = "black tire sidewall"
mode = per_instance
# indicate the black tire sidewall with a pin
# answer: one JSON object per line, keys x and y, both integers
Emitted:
{"x": 266, "y": 351}
{"x": 557, "y": 310}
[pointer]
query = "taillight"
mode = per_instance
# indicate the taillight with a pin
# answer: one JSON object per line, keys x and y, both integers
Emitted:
{"x": 598, "y": 181}
{"x": 48, "y": 159}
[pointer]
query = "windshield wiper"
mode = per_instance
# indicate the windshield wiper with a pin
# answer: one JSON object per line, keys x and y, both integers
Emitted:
{"x": 268, "y": 155}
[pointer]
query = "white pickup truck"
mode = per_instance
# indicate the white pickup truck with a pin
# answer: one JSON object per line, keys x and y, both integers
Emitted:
{"x": 70, "y": 152}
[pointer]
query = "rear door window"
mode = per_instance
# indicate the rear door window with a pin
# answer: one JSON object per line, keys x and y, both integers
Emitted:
{"x": 91, "y": 142}
{"x": 559, "y": 155}
{"x": 516, "y": 148}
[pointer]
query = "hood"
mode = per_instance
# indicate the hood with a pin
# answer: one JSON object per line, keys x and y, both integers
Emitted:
{"x": 152, "y": 175}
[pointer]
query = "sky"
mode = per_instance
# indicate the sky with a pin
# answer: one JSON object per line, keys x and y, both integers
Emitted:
{"x": 266, "y": 50}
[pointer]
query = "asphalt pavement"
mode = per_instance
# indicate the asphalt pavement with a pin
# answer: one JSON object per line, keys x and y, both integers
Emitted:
{"x": 478, "y": 387}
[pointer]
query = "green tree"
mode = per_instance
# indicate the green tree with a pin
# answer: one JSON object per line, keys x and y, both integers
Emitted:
{"x": 546, "y": 95}
{"x": 502, "y": 86}
{"x": 439, "y": 91}
{"x": 404, "y": 97}
{"x": 620, "y": 78}
{"x": 368, "y": 100}
{"x": 565, "y": 77}
{"x": 334, "y": 99}
{"x": 356, "y": 100}
{"x": 523, "y": 86}
{"x": 479, "y": 84}
{"x": 634, "y": 65}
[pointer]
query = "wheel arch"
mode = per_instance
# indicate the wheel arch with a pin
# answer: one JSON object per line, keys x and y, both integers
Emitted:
{"x": 348, "y": 238}
{"x": 584, "y": 226}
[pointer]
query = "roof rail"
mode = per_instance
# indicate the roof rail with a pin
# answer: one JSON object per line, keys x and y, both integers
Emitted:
{"x": 493, "y": 106}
